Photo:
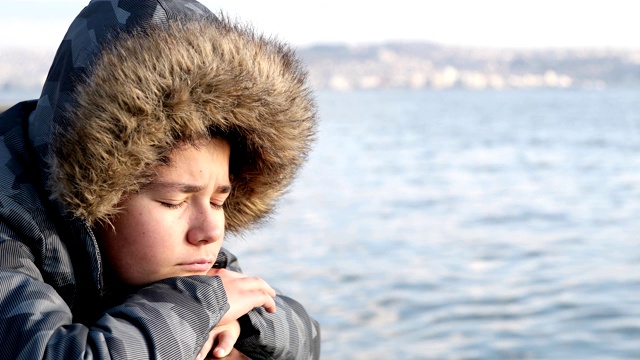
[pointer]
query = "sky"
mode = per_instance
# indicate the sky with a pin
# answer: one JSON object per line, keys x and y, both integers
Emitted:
{"x": 479, "y": 23}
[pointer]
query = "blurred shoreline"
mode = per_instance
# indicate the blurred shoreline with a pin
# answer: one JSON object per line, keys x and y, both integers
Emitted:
{"x": 408, "y": 65}
{"x": 420, "y": 65}
{"x": 401, "y": 65}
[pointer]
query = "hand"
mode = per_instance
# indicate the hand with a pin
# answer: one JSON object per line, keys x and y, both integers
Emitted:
{"x": 224, "y": 336}
{"x": 244, "y": 293}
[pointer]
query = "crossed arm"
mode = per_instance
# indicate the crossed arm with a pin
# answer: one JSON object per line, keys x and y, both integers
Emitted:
{"x": 260, "y": 322}
{"x": 171, "y": 318}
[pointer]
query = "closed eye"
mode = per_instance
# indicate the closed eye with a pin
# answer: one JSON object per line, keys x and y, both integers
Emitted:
{"x": 216, "y": 206}
{"x": 171, "y": 205}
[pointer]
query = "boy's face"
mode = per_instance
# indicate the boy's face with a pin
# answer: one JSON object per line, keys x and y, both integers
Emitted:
{"x": 174, "y": 226}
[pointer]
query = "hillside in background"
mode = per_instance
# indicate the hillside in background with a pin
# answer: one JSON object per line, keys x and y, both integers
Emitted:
{"x": 428, "y": 65}
{"x": 410, "y": 65}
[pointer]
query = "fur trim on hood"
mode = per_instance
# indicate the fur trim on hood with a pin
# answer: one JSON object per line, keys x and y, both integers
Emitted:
{"x": 151, "y": 91}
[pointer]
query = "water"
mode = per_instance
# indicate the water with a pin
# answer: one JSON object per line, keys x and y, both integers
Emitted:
{"x": 465, "y": 225}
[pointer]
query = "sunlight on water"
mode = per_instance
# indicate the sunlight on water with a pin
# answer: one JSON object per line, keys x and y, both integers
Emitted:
{"x": 465, "y": 225}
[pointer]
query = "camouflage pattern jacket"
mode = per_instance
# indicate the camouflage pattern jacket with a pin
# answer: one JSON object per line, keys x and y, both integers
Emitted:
{"x": 54, "y": 303}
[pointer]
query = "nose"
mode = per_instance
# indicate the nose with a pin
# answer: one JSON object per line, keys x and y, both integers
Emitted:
{"x": 206, "y": 226}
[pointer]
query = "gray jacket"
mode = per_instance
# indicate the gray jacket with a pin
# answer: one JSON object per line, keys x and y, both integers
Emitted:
{"x": 55, "y": 298}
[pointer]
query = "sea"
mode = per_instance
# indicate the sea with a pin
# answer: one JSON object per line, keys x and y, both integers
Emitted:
{"x": 462, "y": 224}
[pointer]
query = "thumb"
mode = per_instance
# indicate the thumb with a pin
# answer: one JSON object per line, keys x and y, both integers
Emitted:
{"x": 225, "y": 344}
{"x": 206, "y": 347}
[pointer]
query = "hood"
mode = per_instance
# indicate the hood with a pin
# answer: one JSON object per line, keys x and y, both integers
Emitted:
{"x": 133, "y": 80}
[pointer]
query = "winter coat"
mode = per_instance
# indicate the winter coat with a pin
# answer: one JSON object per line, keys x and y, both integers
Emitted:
{"x": 130, "y": 81}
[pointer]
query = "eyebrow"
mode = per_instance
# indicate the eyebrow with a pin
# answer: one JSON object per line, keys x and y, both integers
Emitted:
{"x": 188, "y": 188}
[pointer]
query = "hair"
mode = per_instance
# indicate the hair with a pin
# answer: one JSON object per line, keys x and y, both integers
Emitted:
{"x": 150, "y": 92}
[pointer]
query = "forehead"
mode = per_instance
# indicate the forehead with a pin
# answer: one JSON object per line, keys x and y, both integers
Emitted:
{"x": 202, "y": 158}
{"x": 211, "y": 147}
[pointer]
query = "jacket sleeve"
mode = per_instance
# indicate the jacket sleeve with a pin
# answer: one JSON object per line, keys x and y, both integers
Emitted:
{"x": 289, "y": 333}
{"x": 170, "y": 319}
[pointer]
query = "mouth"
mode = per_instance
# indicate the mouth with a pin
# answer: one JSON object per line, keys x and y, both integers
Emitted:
{"x": 197, "y": 266}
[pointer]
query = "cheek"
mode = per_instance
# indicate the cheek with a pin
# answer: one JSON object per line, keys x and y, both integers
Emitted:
{"x": 142, "y": 236}
{"x": 135, "y": 253}
{"x": 130, "y": 240}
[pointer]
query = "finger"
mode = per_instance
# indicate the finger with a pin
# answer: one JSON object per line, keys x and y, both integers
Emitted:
{"x": 269, "y": 304}
{"x": 225, "y": 273}
{"x": 246, "y": 282}
{"x": 269, "y": 290}
{"x": 213, "y": 272}
{"x": 225, "y": 343}
{"x": 256, "y": 283}
{"x": 206, "y": 347}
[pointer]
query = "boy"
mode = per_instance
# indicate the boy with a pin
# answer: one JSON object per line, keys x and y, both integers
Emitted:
{"x": 159, "y": 127}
